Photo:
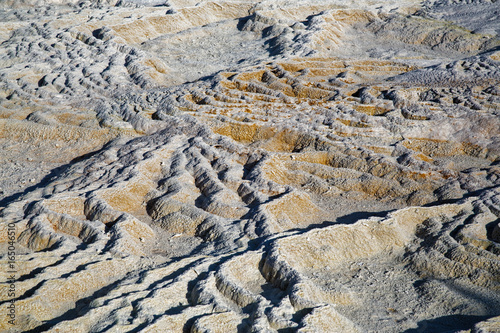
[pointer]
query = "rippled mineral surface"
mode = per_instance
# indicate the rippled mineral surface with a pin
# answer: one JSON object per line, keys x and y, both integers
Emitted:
{"x": 250, "y": 166}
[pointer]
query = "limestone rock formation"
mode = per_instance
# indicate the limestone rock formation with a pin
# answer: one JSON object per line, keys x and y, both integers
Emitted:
{"x": 250, "y": 166}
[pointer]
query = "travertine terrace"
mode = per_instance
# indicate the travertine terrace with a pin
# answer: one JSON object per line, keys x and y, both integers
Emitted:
{"x": 250, "y": 166}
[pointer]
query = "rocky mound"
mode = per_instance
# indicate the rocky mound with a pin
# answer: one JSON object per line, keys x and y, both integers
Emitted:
{"x": 250, "y": 166}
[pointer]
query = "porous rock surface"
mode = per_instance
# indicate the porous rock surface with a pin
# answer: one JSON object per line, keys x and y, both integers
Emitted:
{"x": 251, "y": 166}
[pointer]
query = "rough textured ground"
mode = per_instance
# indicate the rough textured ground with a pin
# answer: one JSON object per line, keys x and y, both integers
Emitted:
{"x": 250, "y": 166}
